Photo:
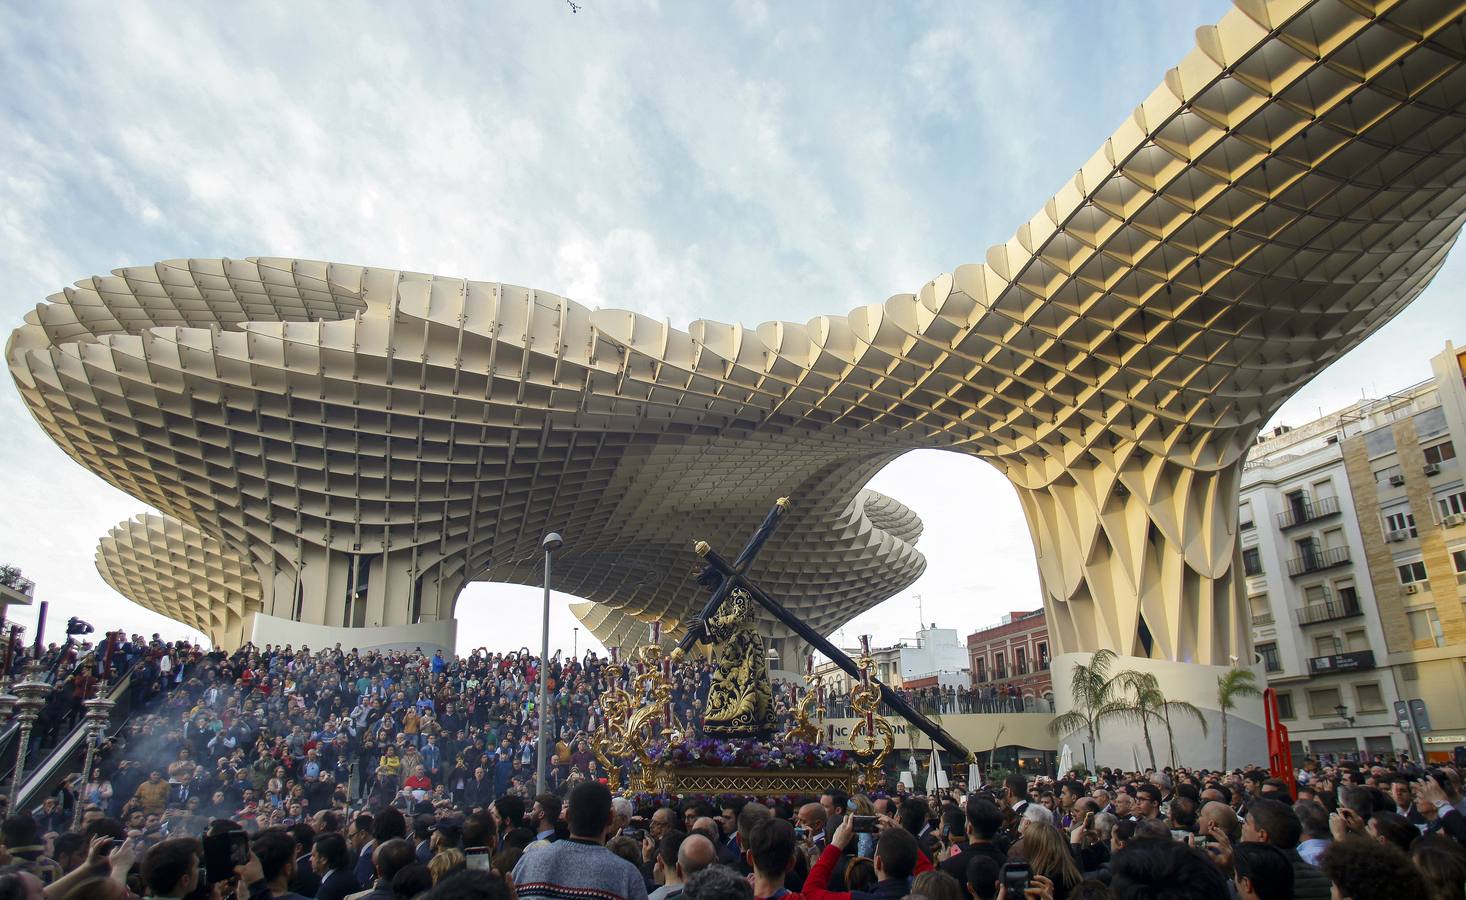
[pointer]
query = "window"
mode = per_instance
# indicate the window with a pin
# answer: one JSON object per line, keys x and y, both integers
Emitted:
{"x": 1440, "y": 452}
{"x": 1326, "y": 645}
{"x": 1367, "y": 698}
{"x": 1425, "y": 627}
{"x": 1285, "y": 705}
{"x": 1401, "y": 521}
{"x": 1252, "y": 561}
{"x": 1356, "y": 640}
{"x": 1000, "y": 668}
{"x": 1452, "y": 504}
{"x": 1412, "y": 572}
{"x": 1244, "y": 517}
{"x": 1333, "y": 538}
{"x": 1458, "y": 561}
{"x": 1020, "y": 661}
{"x": 1269, "y": 654}
{"x": 1315, "y": 594}
{"x": 1383, "y": 476}
{"x": 1321, "y": 703}
{"x": 1043, "y": 655}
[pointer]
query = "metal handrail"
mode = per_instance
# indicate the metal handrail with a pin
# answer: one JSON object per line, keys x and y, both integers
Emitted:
{"x": 46, "y": 771}
{"x": 65, "y": 743}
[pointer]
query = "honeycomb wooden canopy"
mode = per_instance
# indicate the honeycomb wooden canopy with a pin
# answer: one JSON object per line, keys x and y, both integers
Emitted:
{"x": 367, "y": 440}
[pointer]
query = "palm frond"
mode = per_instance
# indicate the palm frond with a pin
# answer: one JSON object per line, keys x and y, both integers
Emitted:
{"x": 1189, "y": 711}
{"x": 1069, "y": 723}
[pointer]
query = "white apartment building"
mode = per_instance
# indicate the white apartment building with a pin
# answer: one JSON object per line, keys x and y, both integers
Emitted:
{"x": 936, "y": 657}
{"x": 939, "y": 654}
{"x": 1354, "y": 549}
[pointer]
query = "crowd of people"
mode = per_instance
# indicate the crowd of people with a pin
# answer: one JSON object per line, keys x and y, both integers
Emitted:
{"x": 395, "y": 776}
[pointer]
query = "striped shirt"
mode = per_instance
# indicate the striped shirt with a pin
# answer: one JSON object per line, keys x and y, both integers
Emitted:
{"x": 577, "y": 870}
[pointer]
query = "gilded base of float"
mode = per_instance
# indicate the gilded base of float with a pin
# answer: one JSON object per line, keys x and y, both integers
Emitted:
{"x": 751, "y": 782}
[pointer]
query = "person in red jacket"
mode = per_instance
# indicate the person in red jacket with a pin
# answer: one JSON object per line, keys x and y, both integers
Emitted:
{"x": 897, "y": 859}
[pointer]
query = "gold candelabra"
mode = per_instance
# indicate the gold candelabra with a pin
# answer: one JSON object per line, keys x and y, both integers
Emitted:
{"x": 872, "y": 738}
{"x": 637, "y": 718}
{"x": 809, "y": 712}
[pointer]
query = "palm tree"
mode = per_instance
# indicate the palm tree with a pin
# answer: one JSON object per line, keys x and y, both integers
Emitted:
{"x": 1234, "y": 685}
{"x": 1096, "y": 696}
{"x": 1142, "y": 707}
{"x": 1152, "y": 703}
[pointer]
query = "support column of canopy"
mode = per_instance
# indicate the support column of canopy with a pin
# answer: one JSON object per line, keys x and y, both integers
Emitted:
{"x": 1137, "y": 553}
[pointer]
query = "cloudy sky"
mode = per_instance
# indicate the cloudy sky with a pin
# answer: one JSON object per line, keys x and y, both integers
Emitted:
{"x": 741, "y": 161}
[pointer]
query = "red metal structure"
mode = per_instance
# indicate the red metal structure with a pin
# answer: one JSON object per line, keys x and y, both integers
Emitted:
{"x": 1279, "y": 750}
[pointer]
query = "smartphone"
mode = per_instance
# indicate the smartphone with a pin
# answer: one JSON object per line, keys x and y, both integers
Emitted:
{"x": 224, "y": 852}
{"x": 1015, "y": 878}
{"x": 863, "y": 824}
{"x": 635, "y": 834}
{"x": 1200, "y": 841}
{"x": 478, "y": 862}
{"x": 800, "y": 832}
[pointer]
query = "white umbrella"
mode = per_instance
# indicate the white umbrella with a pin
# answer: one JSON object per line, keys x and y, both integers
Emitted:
{"x": 934, "y": 766}
{"x": 1066, "y": 759}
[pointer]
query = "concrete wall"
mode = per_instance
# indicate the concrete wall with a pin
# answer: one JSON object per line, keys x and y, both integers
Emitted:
{"x": 1122, "y": 744}
{"x": 978, "y": 732}
{"x": 428, "y": 636}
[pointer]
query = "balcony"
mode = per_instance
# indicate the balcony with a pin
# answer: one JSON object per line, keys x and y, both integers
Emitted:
{"x": 1020, "y": 668}
{"x": 1331, "y": 609}
{"x": 1316, "y": 560}
{"x": 1308, "y": 511}
{"x": 1261, "y": 619}
{"x": 1360, "y": 661}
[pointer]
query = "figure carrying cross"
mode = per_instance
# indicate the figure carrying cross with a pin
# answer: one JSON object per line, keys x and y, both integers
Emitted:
{"x": 740, "y": 697}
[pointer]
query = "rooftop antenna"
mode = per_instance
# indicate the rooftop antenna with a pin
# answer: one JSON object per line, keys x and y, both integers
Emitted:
{"x": 920, "y": 617}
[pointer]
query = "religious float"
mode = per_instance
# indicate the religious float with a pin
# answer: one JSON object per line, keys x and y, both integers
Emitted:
{"x": 646, "y": 747}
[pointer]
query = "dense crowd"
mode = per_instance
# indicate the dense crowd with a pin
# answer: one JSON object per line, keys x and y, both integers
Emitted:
{"x": 281, "y": 773}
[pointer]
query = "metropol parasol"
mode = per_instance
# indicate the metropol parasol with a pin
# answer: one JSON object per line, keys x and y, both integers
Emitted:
{"x": 332, "y": 451}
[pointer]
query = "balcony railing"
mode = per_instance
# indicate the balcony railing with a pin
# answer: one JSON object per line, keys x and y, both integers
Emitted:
{"x": 1260, "y": 619}
{"x": 1329, "y": 610}
{"x": 1317, "y": 560}
{"x": 1308, "y": 511}
{"x": 1020, "y": 668}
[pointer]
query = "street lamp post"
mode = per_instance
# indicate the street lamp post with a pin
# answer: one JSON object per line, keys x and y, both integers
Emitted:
{"x": 575, "y": 644}
{"x": 31, "y": 694}
{"x": 552, "y": 542}
{"x": 98, "y": 714}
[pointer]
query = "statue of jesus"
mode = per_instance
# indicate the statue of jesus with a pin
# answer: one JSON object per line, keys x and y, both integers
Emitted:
{"x": 740, "y": 698}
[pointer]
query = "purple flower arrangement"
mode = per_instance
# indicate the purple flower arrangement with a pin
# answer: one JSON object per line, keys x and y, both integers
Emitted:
{"x": 750, "y": 754}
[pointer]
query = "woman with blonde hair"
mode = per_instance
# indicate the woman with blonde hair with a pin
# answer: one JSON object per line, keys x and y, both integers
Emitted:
{"x": 446, "y": 862}
{"x": 1047, "y": 852}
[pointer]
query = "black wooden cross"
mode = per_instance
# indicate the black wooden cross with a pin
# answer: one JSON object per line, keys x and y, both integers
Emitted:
{"x": 721, "y": 576}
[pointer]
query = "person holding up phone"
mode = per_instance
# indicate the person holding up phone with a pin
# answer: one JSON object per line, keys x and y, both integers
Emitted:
{"x": 897, "y": 859}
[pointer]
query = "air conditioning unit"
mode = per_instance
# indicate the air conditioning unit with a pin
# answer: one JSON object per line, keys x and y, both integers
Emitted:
{"x": 1453, "y": 520}
{"x": 1401, "y": 534}
{"x": 1397, "y": 480}
{"x": 1432, "y": 468}
{"x": 1412, "y": 588}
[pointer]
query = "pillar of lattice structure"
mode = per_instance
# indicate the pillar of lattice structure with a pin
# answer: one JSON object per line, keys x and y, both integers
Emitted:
{"x": 369, "y": 440}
